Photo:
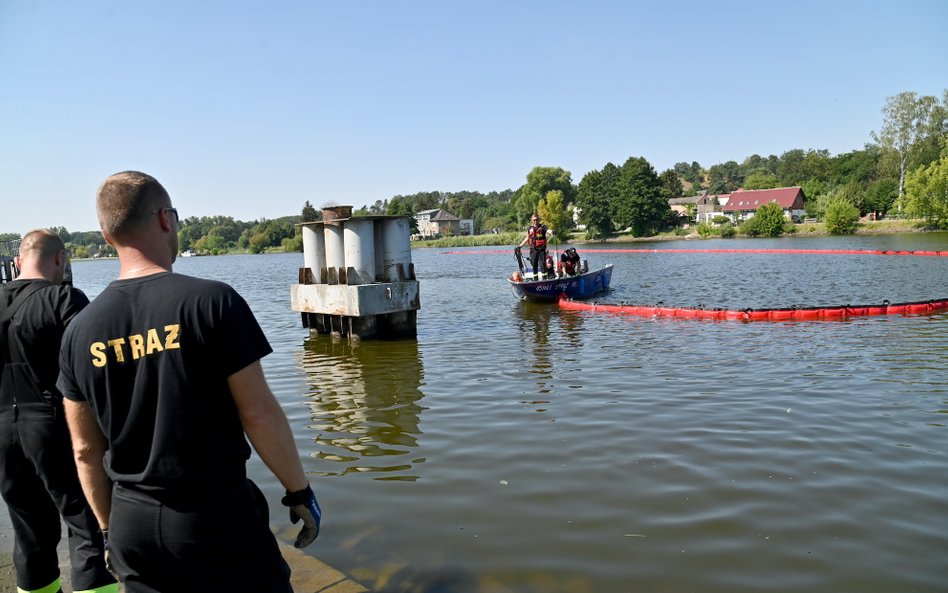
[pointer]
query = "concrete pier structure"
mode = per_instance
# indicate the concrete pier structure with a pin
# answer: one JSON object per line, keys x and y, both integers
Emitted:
{"x": 8, "y": 250}
{"x": 357, "y": 278}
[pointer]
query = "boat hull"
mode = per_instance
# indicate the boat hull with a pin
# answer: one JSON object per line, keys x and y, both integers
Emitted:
{"x": 582, "y": 286}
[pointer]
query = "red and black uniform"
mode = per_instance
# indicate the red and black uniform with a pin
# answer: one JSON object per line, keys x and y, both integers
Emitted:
{"x": 536, "y": 235}
{"x": 151, "y": 356}
{"x": 569, "y": 262}
{"x": 38, "y": 477}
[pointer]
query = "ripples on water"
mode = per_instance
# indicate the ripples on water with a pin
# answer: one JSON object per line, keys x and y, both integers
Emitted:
{"x": 516, "y": 447}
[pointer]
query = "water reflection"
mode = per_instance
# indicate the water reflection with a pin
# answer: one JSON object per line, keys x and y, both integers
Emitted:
{"x": 364, "y": 401}
{"x": 572, "y": 325}
{"x": 552, "y": 340}
{"x": 533, "y": 323}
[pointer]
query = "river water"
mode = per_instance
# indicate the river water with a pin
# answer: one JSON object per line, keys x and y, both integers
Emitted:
{"x": 519, "y": 448}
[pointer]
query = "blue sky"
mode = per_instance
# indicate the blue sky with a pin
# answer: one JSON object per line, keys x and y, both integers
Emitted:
{"x": 248, "y": 109}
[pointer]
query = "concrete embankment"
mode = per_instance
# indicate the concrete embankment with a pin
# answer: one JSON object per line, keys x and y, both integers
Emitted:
{"x": 309, "y": 574}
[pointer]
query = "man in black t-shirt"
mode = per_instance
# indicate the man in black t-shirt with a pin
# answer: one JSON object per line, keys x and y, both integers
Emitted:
{"x": 38, "y": 479}
{"x": 569, "y": 262}
{"x": 162, "y": 380}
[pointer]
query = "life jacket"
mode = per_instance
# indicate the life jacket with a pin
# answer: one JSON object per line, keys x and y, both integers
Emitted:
{"x": 537, "y": 235}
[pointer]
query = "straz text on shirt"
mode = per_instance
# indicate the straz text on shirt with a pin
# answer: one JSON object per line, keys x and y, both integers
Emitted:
{"x": 135, "y": 346}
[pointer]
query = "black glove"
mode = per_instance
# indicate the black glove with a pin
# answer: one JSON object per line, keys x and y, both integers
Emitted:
{"x": 303, "y": 505}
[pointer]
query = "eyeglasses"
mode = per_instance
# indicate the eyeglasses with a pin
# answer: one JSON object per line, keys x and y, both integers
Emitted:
{"x": 168, "y": 209}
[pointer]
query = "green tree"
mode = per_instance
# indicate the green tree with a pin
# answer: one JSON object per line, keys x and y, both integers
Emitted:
{"x": 639, "y": 203}
{"x": 768, "y": 221}
{"x": 812, "y": 190}
{"x": 758, "y": 164}
{"x": 817, "y": 164}
{"x": 790, "y": 168}
{"x": 841, "y": 217}
{"x": 692, "y": 173}
{"x": 760, "y": 180}
{"x": 926, "y": 193}
{"x": 816, "y": 208}
{"x": 401, "y": 206}
{"x": 907, "y": 121}
{"x": 671, "y": 184}
{"x": 553, "y": 212}
{"x": 854, "y": 193}
{"x": 858, "y": 165}
{"x": 212, "y": 243}
{"x": 541, "y": 180}
{"x": 724, "y": 178}
{"x": 225, "y": 230}
{"x": 593, "y": 200}
{"x": 309, "y": 213}
{"x": 880, "y": 195}
{"x": 258, "y": 242}
{"x": 293, "y": 244}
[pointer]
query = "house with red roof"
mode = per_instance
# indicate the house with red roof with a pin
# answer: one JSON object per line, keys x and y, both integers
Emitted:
{"x": 743, "y": 204}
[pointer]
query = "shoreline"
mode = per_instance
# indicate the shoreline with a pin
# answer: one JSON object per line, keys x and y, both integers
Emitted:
{"x": 806, "y": 229}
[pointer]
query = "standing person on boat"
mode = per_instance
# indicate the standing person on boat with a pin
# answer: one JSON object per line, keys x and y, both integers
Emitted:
{"x": 38, "y": 478}
{"x": 164, "y": 386}
{"x": 537, "y": 237}
{"x": 569, "y": 262}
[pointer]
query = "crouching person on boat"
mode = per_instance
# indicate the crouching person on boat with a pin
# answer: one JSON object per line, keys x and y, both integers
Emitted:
{"x": 537, "y": 237}
{"x": 549, "y": 268}
{"x": 569, "y": 263}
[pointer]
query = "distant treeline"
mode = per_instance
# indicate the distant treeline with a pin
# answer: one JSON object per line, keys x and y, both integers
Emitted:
{"x": 904, "y": 170}
{"x": 208, "y": 235}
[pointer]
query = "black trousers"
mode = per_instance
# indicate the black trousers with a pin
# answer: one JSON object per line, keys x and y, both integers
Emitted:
{"x": 538, "y": 259}
{"x": 208, "y": 541}
{"x": 39, "y": 483}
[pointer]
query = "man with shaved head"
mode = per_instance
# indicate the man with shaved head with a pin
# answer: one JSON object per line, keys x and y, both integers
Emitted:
{"x": 38, "y": 478}
{"x": 164, "y": 388}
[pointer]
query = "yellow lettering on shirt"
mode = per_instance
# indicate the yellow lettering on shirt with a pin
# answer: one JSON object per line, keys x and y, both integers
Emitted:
{"x": 154, "y": 343}
{"x": 171, "y": 336}
{"x": 116, "y": 344}
{"x": 136, "y": 344}
{"x": 98, "y": 354}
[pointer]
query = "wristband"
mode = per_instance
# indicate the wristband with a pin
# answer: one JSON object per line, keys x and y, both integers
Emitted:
{"x": 300, "y": 497}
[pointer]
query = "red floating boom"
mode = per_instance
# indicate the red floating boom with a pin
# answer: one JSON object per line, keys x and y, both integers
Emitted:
{"x": 790, "y": 314}
{"x": 779, "y": 251}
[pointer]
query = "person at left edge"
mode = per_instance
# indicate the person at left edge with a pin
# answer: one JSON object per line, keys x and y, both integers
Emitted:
{"x": 164, "y": 387}
{"x": 38, "y": 479}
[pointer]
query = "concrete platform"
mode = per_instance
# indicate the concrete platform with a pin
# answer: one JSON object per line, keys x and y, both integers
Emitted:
{"x": 309, "y": 574}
